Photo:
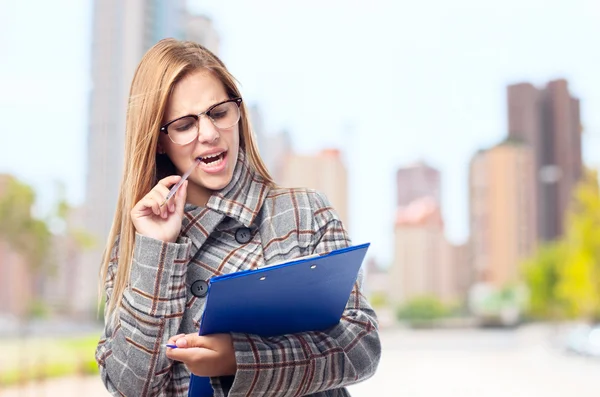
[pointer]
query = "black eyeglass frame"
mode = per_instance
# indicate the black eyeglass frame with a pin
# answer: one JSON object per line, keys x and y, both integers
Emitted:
{"x": 238, "y": 102}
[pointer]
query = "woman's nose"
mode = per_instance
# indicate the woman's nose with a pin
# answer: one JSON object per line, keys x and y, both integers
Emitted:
{"x": 208, "y": 133}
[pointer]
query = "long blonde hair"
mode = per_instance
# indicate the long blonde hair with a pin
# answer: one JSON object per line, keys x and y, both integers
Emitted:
{"x": 166, "y": 63}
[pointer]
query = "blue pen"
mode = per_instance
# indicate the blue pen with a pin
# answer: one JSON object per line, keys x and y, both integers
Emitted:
{"x": 171, "y": 346}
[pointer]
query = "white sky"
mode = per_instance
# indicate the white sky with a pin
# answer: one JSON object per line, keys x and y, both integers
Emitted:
{"x": 416, "y": 80}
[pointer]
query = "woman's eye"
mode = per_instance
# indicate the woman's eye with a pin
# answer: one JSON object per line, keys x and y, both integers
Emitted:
{"x": 219, "y": 112}
{"x": 183, "y": 125}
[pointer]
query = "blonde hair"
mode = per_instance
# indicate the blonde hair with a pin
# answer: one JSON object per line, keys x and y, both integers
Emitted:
{"x": 166, "y": 63}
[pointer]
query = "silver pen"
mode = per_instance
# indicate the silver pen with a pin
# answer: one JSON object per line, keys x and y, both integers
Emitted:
{"x": 183, "y": 178}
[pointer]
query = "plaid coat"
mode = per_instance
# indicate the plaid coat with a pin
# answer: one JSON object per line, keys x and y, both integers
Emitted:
{"x": 282, "y": 224}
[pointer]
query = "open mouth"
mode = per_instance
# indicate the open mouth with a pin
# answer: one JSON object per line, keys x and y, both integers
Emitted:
{"x": 213, "y": 160}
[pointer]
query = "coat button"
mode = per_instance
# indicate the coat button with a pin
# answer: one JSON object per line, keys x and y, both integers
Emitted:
{"x": 243, "y": 235}
{"x": 199, "y": 288}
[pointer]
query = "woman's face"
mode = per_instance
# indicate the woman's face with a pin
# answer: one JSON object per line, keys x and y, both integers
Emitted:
{"x": 218, "y": 147}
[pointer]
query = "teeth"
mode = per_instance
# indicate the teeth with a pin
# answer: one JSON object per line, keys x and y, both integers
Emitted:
{"x": 212, "y": 156}
{"x": 214, "y": 163}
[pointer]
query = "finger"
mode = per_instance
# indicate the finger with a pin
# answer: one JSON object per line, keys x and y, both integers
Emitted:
{"x": 174, "y": 338}
{"x": 192, "y": 340}
{"x": 145, "y": 206}
{"x": 169, "y": 181}
{"x": 180, "y": 198}
{"x": 190, "y": 355}
{"x": 155, "y": 199}
{"x": 161, "y": 192}
{"x": 157, "y": 194}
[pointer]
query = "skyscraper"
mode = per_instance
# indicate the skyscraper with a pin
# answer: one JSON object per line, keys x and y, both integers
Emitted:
{"x": 548, "y": 120}
{"x": 324, "y": 172}
{"x": 417, "y": 181}
{"x": 421, "y": 265}
{"x": 502, "y": 211}
{"x": 122, "y": 33}
{"x": 200, "y": 28}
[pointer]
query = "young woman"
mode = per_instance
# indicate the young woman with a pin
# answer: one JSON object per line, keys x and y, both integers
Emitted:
{"x": 228, "y": 216}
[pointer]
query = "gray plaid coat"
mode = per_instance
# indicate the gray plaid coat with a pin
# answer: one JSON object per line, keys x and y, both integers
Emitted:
{"x": 282, "y": 224}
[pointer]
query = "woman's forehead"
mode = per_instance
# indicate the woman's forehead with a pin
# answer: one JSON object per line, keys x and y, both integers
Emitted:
{"x": 195, "y": 93}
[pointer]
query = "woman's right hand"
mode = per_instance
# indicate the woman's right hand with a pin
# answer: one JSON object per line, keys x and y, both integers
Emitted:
{"x": 161, "y": 223}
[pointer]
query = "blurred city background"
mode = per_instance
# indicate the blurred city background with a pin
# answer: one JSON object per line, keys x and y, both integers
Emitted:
{"x": 462, "y": 139}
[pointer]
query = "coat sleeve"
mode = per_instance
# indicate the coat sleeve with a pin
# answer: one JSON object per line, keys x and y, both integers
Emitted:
{"x": 130, "y": 353}
{"x": 310, "y": 362}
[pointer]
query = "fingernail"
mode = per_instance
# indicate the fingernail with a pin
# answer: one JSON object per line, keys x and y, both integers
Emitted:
{"x": 181, "y": 342}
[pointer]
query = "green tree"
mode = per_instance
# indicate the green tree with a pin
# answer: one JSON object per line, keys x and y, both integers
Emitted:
{"x": 541, "y": 274}
{"x": 563, "y": 277}
{"x": 422, "y": 309}
{"x": 579, "y": 275}
{"x": 24, "y": 233}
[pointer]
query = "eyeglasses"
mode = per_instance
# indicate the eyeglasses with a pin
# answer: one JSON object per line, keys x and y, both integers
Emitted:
{"x": 185, "y": 129}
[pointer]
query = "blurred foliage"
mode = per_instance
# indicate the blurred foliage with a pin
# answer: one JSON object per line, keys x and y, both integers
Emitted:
{"x": 38, "y": 309}
{"x": 378, "y": 299}
{"x": 60, "y": 216}
{"x": 564, "y": 276}
{"x": 422, "y": 308}
{"x": 47, "y": 358}
{"x": 24, "y": 233}
{"x": 541, "y": 275}
{"x": 34, "y": 238}
{"x": 495, "y": 306}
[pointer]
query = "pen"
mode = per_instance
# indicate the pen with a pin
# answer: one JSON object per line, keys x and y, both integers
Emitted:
{"x": 178, "y": 184}
{"x": 171, "y": 346}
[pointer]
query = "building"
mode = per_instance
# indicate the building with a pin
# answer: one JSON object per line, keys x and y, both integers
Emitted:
{"x": 422, "y": 262}
{"x": 548, "y": 119}
{"x": 200, "y": 28}
{"x": 273, "y": 148}
{"x": 67, "y": 283}
{"x": 375, "y": 279}
{"x": 122, "y": 33}
{"x": 462, "y": 268}
{"x": 502, "y": 211}
{"x": 325, "y": 172}
{"x": 417, "y": 181}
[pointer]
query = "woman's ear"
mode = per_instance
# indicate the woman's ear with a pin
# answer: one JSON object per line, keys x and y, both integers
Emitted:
{"x": 159, "y": 149}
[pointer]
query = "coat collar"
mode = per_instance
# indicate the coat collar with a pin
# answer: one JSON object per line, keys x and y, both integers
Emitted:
{"x": 241, "y": 199}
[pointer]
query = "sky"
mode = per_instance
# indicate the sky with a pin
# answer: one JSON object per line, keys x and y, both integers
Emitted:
{"x": 388, "y": 82}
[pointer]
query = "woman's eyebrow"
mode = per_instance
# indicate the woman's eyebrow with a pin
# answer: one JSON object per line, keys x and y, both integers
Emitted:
{"x": 196, "y": 113}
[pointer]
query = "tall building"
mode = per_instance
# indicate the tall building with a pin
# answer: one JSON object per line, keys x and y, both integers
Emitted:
{"x": 548, "y": 119}
{"x": 462, "y": 270}
{"x": 417, "y": 181}
{"x": 274, "y": 148}
{"x": 502, "y": 211}
{"x": 122, "y": 33}
{"x": 325, "y": 172}
{"x": 200, "y": 28}
{"x": 421, "y": 265}
{"x": 65, "y": 289}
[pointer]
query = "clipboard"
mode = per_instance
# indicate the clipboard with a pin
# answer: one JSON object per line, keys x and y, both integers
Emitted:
{"x": 300, "y": 295}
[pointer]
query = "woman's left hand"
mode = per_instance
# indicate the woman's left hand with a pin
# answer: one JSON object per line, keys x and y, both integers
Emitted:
{"x": 210, "y": 355}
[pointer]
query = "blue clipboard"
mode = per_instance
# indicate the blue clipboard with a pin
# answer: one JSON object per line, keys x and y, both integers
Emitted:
{"x": 301, "y": 295}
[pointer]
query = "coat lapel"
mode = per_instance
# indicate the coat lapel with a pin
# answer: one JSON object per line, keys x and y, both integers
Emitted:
{"x": 241, "y": 199}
